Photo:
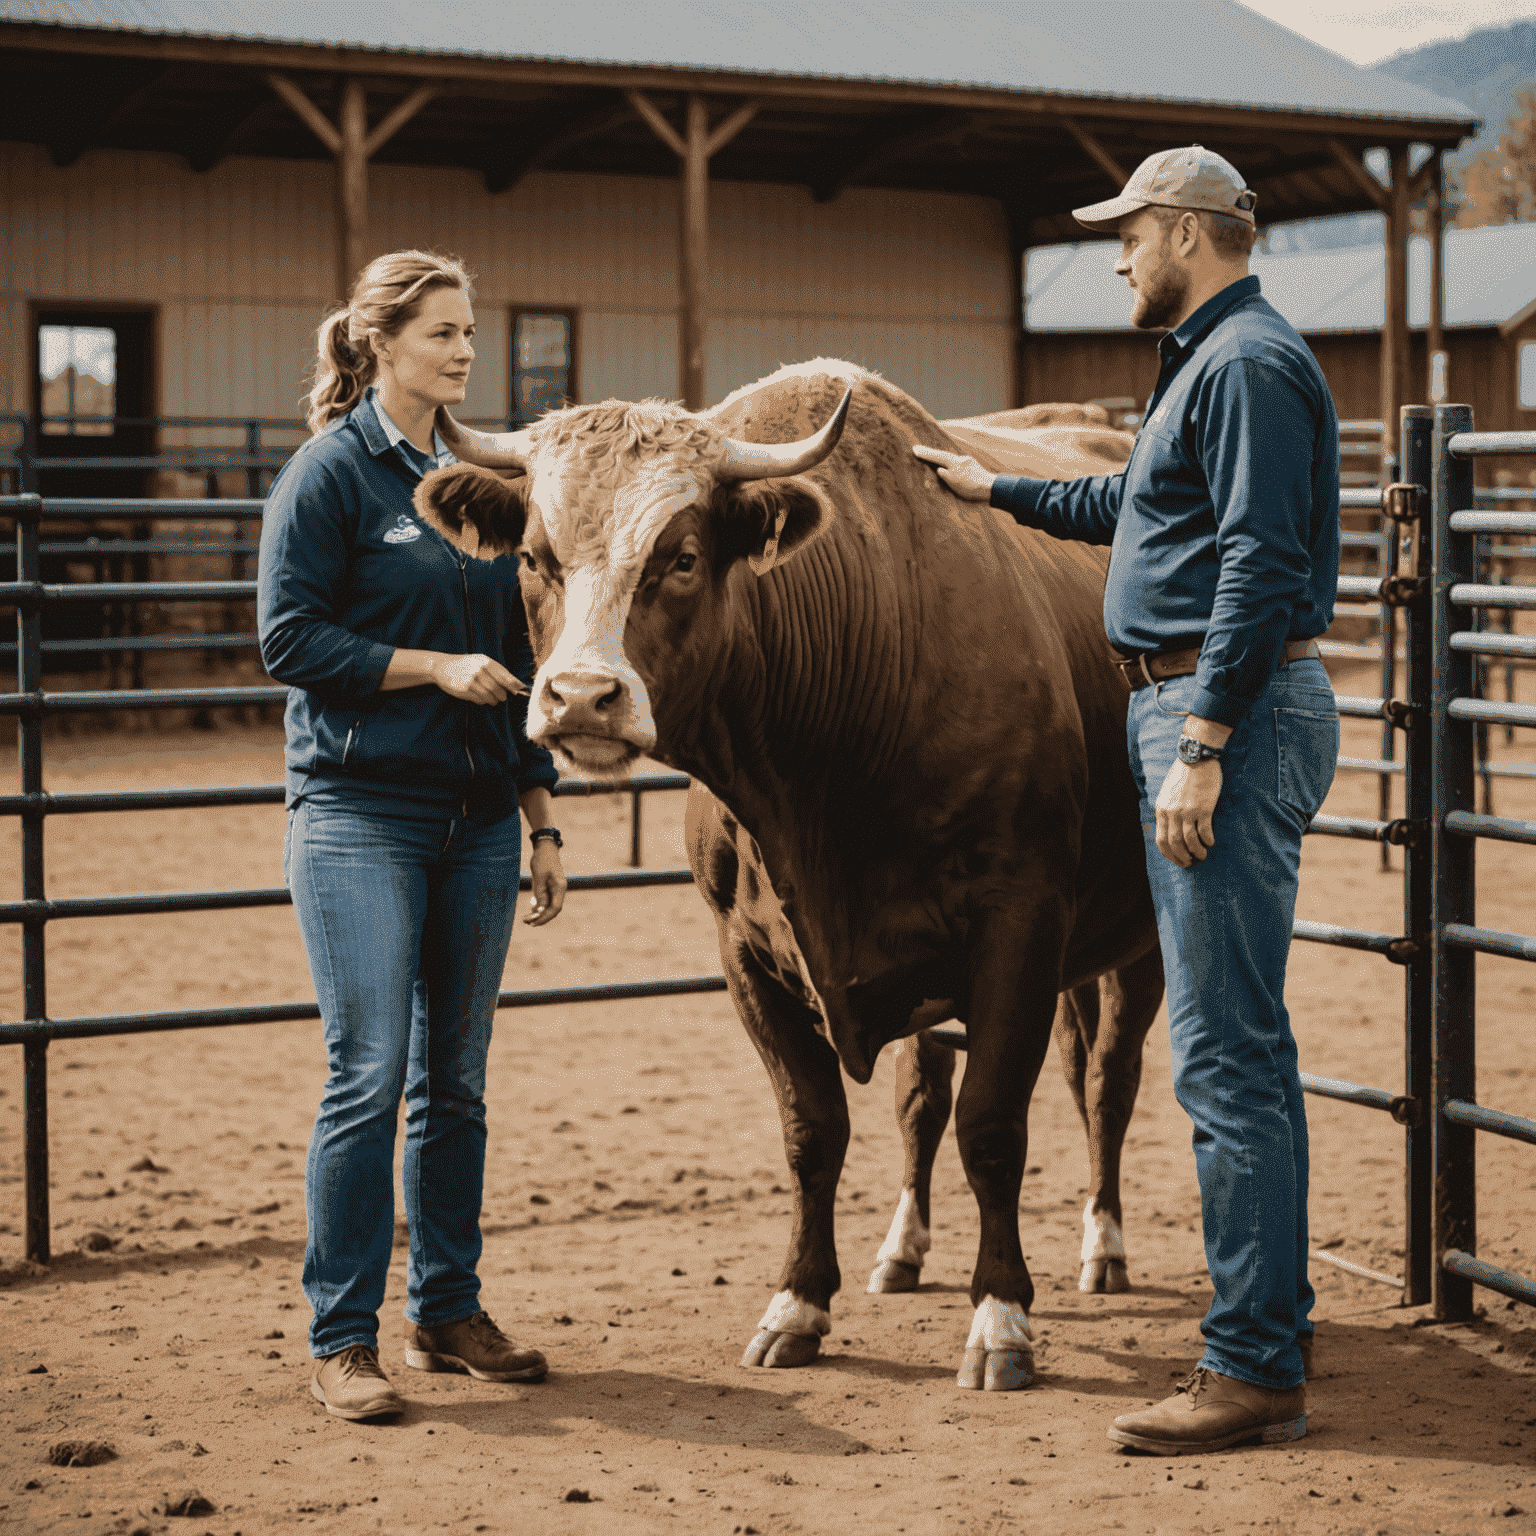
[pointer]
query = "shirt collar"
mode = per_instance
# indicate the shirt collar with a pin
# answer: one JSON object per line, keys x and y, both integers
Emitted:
{"x": 1187, "y": 334}
{"x": 382, "y": 422}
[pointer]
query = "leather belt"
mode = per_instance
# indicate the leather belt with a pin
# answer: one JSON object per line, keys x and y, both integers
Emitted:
{"x": 1158, "y": 666}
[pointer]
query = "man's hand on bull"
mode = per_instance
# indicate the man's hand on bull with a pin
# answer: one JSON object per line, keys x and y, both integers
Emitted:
{"x": 963, "y": 475}
{"x": 474, "y": 679}
{"x": 1186, "y": 804}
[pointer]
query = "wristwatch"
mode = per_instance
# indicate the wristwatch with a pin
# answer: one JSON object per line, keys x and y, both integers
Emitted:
{"x": 551, "y": 833}
{"x": 1192, "y": 751}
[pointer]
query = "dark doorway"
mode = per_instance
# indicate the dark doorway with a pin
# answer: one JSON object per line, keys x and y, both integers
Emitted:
{"x": 92, "y": 395}
{"x": 543, "y": 362}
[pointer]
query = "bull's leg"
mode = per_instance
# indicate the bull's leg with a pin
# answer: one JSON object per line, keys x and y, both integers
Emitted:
{"x": 1012, "y": 1003}
{"x": 924, "y": 1070}
{"x": 1100, "y": 1031}
{"x": 813, "y": 1110}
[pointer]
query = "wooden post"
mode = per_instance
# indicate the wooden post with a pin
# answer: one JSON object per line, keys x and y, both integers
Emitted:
{"x": 1435, "y": 340}
{"x": 695, "y": 147}
{"x": 693, "y": 255}
{"x": 1018, "y": 317}
{"x": 1395, "y": 378}
{"x": 351, "y": 187}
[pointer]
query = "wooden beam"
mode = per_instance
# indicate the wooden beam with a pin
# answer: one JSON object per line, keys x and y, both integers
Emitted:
{"x": 887, "y": 146}
{"x": 728, "y": 130}
{"x": 1096, "y": 151}
{"x": 351, "y": 186}
{"x": 306, "y": 111}
{"x": 1431, "y": 172}
{"x": 79, "y": 122}
{"x": 693, "y": 267}
{"x": 1361, "y": 177}
{"x": 506, "y": 162}
{"x": 657, "y": 123}
{"x": 1396, "y": 385}
{"x": 1424, "y": 179}
{"x": 397, "y": 119}
{"x": 1183, "y": 117}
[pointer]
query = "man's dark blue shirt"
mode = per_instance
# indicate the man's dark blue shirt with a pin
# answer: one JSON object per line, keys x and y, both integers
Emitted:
{"x": 1224, "y": 525}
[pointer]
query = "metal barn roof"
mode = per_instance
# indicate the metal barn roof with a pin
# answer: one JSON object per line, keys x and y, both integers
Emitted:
{"x": 1210, "y": 51}
{"x": 1490, "y": 280}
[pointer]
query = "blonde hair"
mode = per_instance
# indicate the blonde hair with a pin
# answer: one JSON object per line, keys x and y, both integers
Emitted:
{"x": 388, "y": 293}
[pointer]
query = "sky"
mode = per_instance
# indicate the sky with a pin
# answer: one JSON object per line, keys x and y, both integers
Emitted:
{"x": 1368, "y": 33}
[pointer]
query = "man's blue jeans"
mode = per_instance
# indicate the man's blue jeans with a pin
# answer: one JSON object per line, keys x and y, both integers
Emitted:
{"x": 1225, "y": 926}
{"x": 406, "y": 922}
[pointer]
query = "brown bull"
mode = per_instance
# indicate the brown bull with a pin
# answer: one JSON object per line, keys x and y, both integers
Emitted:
{"x": 911, "y": 797}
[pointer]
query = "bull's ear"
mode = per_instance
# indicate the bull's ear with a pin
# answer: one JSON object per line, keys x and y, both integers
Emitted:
{"x": 497, "y": 509}
{"x": 770, "y": 520}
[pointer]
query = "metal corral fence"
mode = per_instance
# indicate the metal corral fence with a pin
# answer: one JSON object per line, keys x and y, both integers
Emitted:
{"x": 31, "y": 705}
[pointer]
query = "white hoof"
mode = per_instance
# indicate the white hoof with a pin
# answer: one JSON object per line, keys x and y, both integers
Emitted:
{"x": 1103, "y": 1256}
{"x": 1104, "y": 1276}
{"x": 891, "y": 1275}
{"x": 999, "y": 1355}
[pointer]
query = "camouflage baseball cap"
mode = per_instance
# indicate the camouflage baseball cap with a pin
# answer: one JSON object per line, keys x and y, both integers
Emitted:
{"x": 1191, "y": 177}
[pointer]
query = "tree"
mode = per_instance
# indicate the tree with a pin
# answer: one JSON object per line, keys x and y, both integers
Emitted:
{"x": 1499, "y": 185}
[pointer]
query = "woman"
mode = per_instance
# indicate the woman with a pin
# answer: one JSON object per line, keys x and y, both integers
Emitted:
{"x": 408, "y": 664}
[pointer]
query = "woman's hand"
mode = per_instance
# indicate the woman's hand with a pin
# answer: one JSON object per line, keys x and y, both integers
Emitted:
{"x": 963, "y": 475}
{"x": 549, "y": 883}
{"x": 474, "y": 679}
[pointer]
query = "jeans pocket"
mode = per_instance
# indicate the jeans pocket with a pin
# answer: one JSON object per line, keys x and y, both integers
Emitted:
{"x": 1307, "y": 748}
{"x": 1166, "y": 706}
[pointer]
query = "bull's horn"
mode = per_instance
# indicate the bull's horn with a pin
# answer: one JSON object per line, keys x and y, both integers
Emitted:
{"x": 490, "y": 450}
{"x": 764, "y": 461}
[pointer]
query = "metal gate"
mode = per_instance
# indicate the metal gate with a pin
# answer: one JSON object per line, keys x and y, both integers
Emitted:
{"x": 34, "y": 805}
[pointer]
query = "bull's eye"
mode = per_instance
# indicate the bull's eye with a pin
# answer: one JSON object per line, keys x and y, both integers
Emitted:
{"x": 528, "y": 560}
{"x": 684, "y": 563}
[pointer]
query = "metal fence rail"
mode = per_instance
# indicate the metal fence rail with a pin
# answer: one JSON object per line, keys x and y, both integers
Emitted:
{"x": 33, "y": 805}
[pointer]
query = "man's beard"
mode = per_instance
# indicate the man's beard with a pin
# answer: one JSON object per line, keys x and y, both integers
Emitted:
{"x": 1160, "y": 298}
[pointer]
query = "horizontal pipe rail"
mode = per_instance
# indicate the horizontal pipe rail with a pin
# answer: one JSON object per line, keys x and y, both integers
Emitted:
{"x": 1357, "y": 1269}
{"x": 130, "y": 508}
{"x": 1351, "y": 1093}
{"x": 1387, "y": 944}
{"x": 125, "y": 591}
{"x": 1505, "y": 1281}
{"x": 1358, "y": 707}
{"x": 1370, "y": 765}
{"x": 1504, "y": 829}
{"x": 1479, "y": 594}
{"x": 1489, "y": 642}
{"x": 1492, "y": 521}
{"x": 97, "y": 549}
{"x": 1489, "y": 941}
{"x": 1361, "y": 496}
{"x": 117, "y": 643}
{"x": 1495, "y": 1121}
{"x": 1487, "y": 445}
{"x": 1491, "y": 712}
{"x": 55, "y": 908}
{"x": 279, "y": 1013}
{"x": 99, "y": 701}
{"x": 1361, "y": 828}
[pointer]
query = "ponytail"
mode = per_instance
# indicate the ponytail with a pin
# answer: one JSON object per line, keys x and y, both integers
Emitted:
{"x": 388, "y": 294}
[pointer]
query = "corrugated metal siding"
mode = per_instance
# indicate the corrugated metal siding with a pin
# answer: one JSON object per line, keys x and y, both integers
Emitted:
{"x": 239, "y": 262}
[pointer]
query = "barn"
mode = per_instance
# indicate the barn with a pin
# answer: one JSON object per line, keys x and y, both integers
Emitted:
{"x": 661, "y": 200}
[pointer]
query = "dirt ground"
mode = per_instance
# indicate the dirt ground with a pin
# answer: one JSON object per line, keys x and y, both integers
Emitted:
{"x": 635, "y": 1219}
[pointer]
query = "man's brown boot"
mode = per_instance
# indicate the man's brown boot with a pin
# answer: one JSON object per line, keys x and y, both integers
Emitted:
{"x": 474, "y": 1344}
{"x": 1209, "y": 1411}
{"x": 352, "y": 1385}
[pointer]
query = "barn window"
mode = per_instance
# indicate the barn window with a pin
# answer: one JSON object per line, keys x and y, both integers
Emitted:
{"x": 1528, "y": 375}
{"x": 543, "y": 361}
{"x": 78, "y": 364}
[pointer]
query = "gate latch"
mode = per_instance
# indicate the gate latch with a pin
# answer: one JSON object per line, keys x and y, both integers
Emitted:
{"x": 1405, "y": 1109}
{"x": 1404, "y": 833}
{"x": 1399, "y": 591}
{"x": 1399, "y": 711}
{"x": 1402, "y": 500}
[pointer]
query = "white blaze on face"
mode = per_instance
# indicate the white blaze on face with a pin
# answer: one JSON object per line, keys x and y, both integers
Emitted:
{"x": 602, "y": 540}
{"x": 788, "y": 1314}
{"x": 908, "y": 1241}
{"x": 1000, "y": 1325}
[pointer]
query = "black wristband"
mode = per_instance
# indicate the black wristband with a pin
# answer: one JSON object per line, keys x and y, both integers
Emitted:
{"x": 552, "y": 834}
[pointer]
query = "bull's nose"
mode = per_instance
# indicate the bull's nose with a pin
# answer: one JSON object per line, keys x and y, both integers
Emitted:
{"x": 574, "y": 701}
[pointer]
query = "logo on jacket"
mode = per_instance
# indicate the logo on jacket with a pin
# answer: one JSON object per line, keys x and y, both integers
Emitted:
{"x": 403, "y": 531}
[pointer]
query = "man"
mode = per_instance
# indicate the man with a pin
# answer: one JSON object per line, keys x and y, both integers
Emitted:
{"x": 1224, "y": 528}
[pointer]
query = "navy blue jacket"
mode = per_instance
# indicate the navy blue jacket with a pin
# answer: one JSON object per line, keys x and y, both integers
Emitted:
{"x": 347, "y": 574}
{"x": 1224, "y": 525}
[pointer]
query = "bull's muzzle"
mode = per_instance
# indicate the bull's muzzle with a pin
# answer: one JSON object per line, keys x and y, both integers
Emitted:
{"x": 584, "y": 704}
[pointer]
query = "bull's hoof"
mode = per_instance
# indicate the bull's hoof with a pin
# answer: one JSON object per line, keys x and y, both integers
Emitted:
{"x": 1104, "y": 1275}
{"x": 892, "y": 1275}
{"x": 996, "y": 1370}
{"x": 781, "y": 1351}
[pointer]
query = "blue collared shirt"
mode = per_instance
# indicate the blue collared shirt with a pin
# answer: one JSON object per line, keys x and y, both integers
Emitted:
{"x": 1224, "y": 525}
{"x": 420, "y": 462}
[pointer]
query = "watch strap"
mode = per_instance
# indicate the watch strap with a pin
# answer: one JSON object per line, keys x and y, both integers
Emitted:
{"x": 547, "y": 834}
{"x": 1202, "y": 750}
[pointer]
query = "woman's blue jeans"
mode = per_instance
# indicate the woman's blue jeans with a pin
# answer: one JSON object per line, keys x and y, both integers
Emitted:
{"x": 406, "y": 921}
{"x": 1225, "y": 926}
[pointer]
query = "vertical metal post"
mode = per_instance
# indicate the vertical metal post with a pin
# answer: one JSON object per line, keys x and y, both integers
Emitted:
{"x": 1435, "y": 338}
{"x": 34, "y": 991}
{"x": 1453, "y": 1029}
{"x": 635, "y": 857}
{"x": 1396, "y": 389}
{"x": 252, "y": 451}
{"x": 1418, "y": 876}
{"x": 1386, "y": 566}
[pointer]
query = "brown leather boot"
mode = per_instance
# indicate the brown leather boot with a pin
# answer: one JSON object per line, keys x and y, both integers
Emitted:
{"x": 474, "y": 1344}
{"x": 1209, "y": 1411}
{"x": 352, "y": 1385}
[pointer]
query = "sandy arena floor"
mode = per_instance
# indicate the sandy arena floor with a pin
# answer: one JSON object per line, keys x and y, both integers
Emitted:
{"x": 635, "y": 1219}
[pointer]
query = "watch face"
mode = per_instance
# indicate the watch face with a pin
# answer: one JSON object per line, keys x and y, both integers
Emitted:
{"x": 1189, "y": 750}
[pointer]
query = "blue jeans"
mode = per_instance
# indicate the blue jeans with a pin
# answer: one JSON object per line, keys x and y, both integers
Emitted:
{"x": 406, "y": 922}
{"x": 1225, "y": 926}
